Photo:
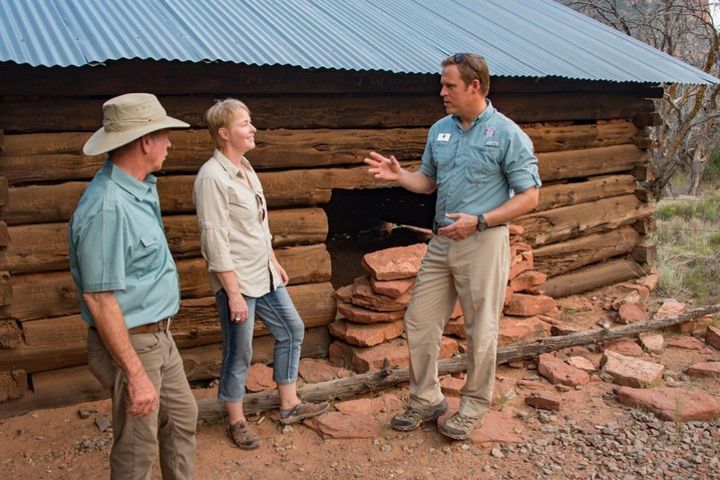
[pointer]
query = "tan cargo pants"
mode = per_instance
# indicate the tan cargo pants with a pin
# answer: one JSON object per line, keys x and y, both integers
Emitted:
{"x": 475, "y": 270}
{"x": 172, "y": 424}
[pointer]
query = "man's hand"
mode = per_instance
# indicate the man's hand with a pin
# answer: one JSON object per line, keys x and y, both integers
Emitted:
{"x": 238, "y": 308}
{"x": 384, "y": 168}
{"x": 143, "y": 397}
{"x": 464, "y": 226}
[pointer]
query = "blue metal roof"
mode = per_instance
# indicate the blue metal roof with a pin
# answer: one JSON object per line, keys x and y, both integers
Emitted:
{"x": 535, "y": 38}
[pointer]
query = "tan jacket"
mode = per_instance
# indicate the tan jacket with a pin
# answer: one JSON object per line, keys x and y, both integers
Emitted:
{"x": 234, "y": 231}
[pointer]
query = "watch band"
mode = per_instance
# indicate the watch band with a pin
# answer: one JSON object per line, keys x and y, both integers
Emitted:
{"x": 482, "y": 223}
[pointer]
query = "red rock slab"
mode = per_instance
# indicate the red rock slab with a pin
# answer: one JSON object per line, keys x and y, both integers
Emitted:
{"x": 384, "y": 404}
{"x": 653, "y": 342}
{"x": 632, "y": 372}
{"x": 642, "y": 291}
{"x": 508, "y": 296}
{"x": 530, "y": 384}
{"x": 544, "y": 400}
{"x": 395, "y": 263}
{"x": 705, "y": 369}
{"x": 512, "y": 329}
{"x": 457, "y": 311}
{"x": 649, "y": 281}
{"x": 575, "y": 303}
{"x": 687, "y": 343}
{"x": 363, "y": 315}
{"x": 693, "y": 325}
{"x": 631, "y": 313}
{"x": 625, "y": 347}
{"x": 712, "y": 337}
{"x": 366, "y": 335}
{"x": 364, "y": 296}
{"x": 260, "y": 378}
{"x": 557, "y": 371}
{"x": 367, "y": 359}
{"x": 314, "y": 370}
{"x": 582, "y": 363}
{"x": 344, "y": 294}
{"x": 517, "y": 246}
{"x": 392, "y": 288}
{"x": 669, "y": 308}
{"x": 452, "y": 386}
{"x": 524, "y": 305}
{"x": 516, "y": 230}
{"x": 527, "y": 280}
{"x": 455, "y": 326}
{"x": 675, "y": 404}
{"x": 520, "y": 263}
{"x": 345, "y": 425}
{"x": 559, "y": 329}
{"x": 495, "y": 427}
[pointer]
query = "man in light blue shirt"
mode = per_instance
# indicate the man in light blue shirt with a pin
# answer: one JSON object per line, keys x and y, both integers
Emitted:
{"x": 129, "y": 290}
{"x": 485, "y": 172}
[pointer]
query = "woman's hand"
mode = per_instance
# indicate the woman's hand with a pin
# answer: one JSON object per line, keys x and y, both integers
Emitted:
{"x": 238, "y": 308}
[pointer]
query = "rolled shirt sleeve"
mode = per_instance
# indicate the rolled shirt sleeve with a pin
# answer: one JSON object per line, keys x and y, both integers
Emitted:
{"x": 100, "y": 252}
{"x": 520, "y": 163}
{"x": 211, "y": 203}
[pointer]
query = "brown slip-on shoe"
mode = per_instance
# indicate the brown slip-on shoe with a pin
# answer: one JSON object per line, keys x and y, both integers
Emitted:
{"x": 303, "y": 410}
{"x": 243, "y": 436}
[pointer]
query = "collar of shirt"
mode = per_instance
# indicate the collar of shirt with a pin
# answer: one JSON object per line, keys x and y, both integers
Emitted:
{"x": 232, "y": 169}
{"x": 484, "y": 116}
{"x": 136, "y": 188}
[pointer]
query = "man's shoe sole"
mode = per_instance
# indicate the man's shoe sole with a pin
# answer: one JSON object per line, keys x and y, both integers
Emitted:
{"x": 452, "y": 435}
{"x": 410, "y": 428}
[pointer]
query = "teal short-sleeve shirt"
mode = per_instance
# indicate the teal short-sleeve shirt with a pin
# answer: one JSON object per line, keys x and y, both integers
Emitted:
{"x": 117, "y": 244}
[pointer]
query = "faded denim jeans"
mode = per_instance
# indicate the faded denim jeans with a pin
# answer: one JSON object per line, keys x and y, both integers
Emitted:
{"x": 279, "y": 315}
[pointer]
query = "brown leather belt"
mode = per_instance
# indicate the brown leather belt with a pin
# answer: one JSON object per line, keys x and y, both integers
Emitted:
{"x": 160, "y": 326}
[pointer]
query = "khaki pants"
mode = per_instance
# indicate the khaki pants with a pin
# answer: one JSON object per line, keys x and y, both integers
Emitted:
{"x": 172, "y": 424}
{"x": 475, "y": 270}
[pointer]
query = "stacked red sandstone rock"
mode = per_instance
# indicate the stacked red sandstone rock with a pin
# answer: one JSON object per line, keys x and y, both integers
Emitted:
{"x": 527, "y": 313}
{"x": 372, "y": 311}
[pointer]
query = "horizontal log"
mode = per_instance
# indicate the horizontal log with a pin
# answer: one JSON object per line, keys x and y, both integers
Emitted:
{"x": 59, "y": 156}
{"x": 551, "y": 226}
{"x": 565, "y": 194}
{"x": 53, "y": 294}
{"x": 313, "y": 302}
{"x": 43, "y": 247}
{"x": 589, "y": 162}
{"x": 592, "y": 277}
{"x": 565, "y": 257}
{"x": 68, "y": 386}
{"x": 195, "y": 324}
{"x": 3, "y": 190}
{"x": 224, "y": 78}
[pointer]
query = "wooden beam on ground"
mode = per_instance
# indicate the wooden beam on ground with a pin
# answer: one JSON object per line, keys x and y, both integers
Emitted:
{"x": 559, "y": 258}
{"x": 593, "y": 276}
{"x": 212, "y": 410}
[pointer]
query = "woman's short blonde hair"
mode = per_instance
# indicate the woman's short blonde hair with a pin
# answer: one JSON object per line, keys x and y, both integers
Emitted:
{"x": 221, "y": 114}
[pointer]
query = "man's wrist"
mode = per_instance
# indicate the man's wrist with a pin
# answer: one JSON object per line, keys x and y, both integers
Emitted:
{"x": 482, "y": 223}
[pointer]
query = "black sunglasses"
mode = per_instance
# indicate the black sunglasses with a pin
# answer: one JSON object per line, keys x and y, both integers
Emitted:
{"x": 460, "y": 57}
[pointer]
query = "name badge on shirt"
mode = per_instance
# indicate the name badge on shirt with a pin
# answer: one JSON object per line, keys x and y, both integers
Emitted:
{"x": 492, "y": 143}
{"x": 443, "y": 137}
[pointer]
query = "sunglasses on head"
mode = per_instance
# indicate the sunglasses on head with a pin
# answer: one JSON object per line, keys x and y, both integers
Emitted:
{"x": 261, "y": 207}
{"x": 459, "y": 57}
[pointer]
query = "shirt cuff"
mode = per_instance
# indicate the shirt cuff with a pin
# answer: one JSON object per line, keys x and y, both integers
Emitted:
{"x": 522, "y": 183}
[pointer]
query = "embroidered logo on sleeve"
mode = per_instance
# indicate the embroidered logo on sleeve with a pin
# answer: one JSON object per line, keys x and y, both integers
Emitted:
{"x": 443, "y": 137}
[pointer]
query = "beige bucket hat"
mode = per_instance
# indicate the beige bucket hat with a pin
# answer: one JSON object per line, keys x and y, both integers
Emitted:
{"x": 127, "y": 118}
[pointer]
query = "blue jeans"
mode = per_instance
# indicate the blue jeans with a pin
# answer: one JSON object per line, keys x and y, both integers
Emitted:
{"x": 279, "y": 315}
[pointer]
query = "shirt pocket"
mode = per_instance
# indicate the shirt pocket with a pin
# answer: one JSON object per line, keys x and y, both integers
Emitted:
{"x": 243, "y": 208}
{"x": 148, "y": 252}
{"x": 483, "y": 164}
{"x": 443, "y": 156}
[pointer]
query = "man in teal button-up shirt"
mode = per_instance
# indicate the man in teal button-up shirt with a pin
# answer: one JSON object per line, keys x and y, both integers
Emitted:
{"x": 129, "y": 289}
{"x": 486, "y": 174}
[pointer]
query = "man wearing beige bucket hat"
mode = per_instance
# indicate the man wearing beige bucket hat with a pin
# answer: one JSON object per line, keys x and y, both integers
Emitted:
{"x": 129, "y": 291}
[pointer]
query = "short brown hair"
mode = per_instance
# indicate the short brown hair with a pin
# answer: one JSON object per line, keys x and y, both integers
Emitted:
{"x": 221, "y": 114}
{"x": 471, "y": 67}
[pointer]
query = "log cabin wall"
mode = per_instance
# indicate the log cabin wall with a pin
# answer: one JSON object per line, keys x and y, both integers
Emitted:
{"x": 315, "y": 127}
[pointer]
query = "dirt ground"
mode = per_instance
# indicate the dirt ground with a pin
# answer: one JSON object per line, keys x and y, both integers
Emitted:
{"x": 59, "y": 444}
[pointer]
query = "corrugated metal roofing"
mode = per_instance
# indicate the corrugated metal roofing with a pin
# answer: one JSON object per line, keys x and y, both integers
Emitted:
{"x": 535, "y": 38}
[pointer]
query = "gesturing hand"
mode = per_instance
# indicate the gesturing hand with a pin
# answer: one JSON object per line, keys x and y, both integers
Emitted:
{"x": 383, "y": 168}
{"x": 464, "y": 226}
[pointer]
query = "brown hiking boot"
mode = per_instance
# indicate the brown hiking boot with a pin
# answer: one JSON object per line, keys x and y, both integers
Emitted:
{"x": 459, "y": 426}
{"x": 303, "y": 410}
{"x": 243, "y": 436}
{"x": 412, "y": 417}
